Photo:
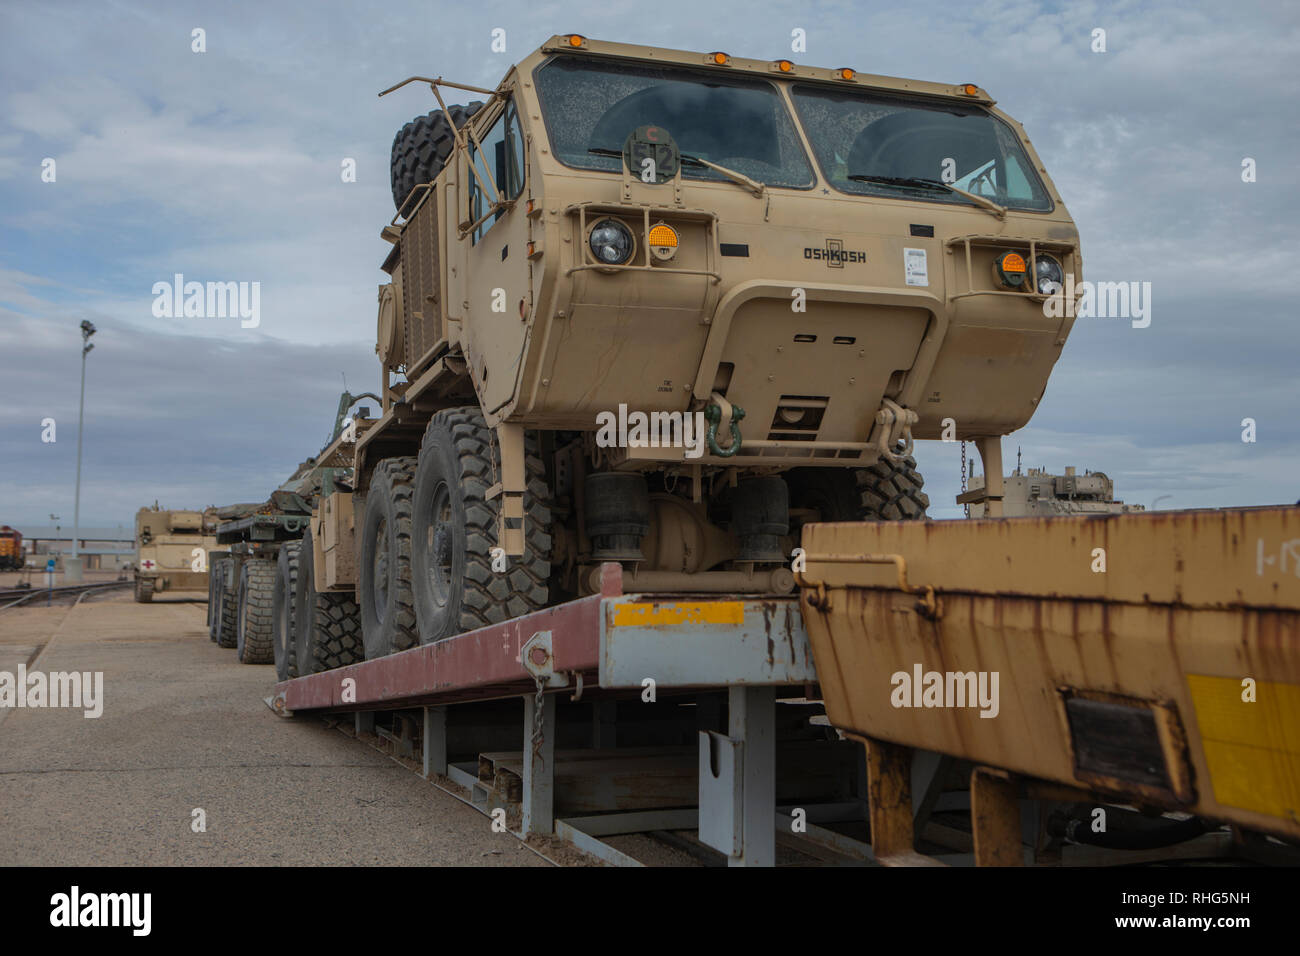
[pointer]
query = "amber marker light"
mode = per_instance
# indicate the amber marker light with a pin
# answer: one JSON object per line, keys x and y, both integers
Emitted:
{"x": 845, "y": 73}
{"x": 576, "y": 40}
{"x": 785, "y": 66}
{"x": 663, "y": 241}
{"x": 721, "y": 59}
{"x": 1011, "y": 269}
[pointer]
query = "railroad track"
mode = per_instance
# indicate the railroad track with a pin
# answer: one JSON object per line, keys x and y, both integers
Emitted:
{"x": 13, "y": 597}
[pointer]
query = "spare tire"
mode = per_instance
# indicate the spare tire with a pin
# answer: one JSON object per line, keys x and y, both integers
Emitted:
{"x": 421, "y": 148}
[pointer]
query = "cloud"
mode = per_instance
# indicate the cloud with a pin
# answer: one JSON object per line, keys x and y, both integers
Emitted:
{"x": 224, "y": 166}
{"x": 188, "y": 420}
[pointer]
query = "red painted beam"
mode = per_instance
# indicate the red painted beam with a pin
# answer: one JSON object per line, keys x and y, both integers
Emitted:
{"x": 478, "y": 664}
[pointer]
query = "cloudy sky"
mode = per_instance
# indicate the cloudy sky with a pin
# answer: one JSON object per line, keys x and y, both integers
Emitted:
{"x": 225, "y": 165}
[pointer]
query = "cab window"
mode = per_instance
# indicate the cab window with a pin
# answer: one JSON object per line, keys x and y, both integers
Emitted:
{"x": 877, "y": 145}
{"x": 501, "y": 161}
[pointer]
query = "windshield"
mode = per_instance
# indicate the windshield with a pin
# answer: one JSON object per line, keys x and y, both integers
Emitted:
{"x": 886, "y": 138}
{"x": 741, "y": 124}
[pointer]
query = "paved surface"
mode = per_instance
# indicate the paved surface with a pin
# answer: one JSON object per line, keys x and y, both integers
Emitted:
{"x": 184, "y": 727}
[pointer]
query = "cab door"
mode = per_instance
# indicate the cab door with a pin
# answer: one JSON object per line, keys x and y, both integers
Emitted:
{"x": 498, "y": 298}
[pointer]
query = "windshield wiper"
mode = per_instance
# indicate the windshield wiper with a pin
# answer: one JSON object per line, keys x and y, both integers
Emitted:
{"x": 919, "y": 181}
{"x": 739, "y": 178}
{"x": 689, "y": 160}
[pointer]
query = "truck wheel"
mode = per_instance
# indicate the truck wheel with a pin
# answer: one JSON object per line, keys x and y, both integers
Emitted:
{"x": 253, "y": 635}
{"x": 384, "y": 592}
{"x": 327, "y": 627}
{"x": 422, "y": 146}
{"x": 143, "y": 590}
{"x": 887, "y": 491}
{"x": 228, "y": 607}
{"x": 338, "y": 631}
{"x": 454, "y": 529}
{"x": 282, "y": 611}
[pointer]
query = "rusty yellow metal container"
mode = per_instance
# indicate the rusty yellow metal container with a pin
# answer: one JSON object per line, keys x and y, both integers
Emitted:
{"x": 1152, "y": 657}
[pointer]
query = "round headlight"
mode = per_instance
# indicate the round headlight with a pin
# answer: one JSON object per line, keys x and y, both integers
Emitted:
{"x": 1050, "y": 277}
{"x": 610, "y": 242}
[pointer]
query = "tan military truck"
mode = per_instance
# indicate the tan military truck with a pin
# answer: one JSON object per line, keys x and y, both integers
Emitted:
{"x": 172, "y": 550}
{"x": 663, "y": 308}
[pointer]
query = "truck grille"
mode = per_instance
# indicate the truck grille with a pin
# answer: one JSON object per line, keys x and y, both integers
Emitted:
{"x": 421, "y": 299}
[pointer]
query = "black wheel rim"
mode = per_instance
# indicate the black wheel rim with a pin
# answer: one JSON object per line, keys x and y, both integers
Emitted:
{"x": 439, "y": 550}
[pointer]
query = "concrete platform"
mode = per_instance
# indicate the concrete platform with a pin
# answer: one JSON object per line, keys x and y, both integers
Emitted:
{"x": 184, "y": 728}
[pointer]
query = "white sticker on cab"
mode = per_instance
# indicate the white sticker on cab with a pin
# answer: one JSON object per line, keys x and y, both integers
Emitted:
{"x": 914, "y": 267}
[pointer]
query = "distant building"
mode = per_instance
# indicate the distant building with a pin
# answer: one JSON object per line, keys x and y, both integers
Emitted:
{"x": 101, "y": 549}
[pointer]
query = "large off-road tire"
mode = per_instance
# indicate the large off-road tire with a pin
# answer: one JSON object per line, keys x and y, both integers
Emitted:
{"x": 215, "y": 586}
{"x": 253, "y": 635}
{"x": 454, "y": 529}
{"x": 886, "y": 491}
{"x": 143, "y": 590}
{"x": 421, "y": 148}
{"x": 228, "y": 609}
{"x": 384, "y": 589}
{"x": 327, "y": 626}
{"x": 282, "y": 611}
{"x": 213, "y": 608}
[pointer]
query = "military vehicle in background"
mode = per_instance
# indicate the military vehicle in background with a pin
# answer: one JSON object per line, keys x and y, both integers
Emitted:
{"x": 663, "y": 308}
{"x": 1039, "y": 494}
{"x": 171, "y": 550}
{"x": 262, "y": 581}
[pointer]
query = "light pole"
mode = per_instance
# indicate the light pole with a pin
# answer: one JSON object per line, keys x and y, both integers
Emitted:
{"x": 72, "y": 565}
{"x": 50, "y": 562}
{"x": 1159, "y": 499}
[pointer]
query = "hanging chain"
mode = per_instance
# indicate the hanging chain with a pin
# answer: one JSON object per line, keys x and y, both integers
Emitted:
{"x": 539, "y": 701}
{"x": 965, "y": 507}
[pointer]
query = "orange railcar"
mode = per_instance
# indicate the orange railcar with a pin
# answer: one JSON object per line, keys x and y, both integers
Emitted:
{"x": 11, "y": 548}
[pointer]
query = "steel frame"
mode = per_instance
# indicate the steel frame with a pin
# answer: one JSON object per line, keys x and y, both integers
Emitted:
{"x": 606, "y": 642}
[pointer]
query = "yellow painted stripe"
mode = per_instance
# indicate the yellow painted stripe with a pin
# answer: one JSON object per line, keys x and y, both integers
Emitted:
{"x": 1252, "y": 748}
{"x": 668, "y": 615}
